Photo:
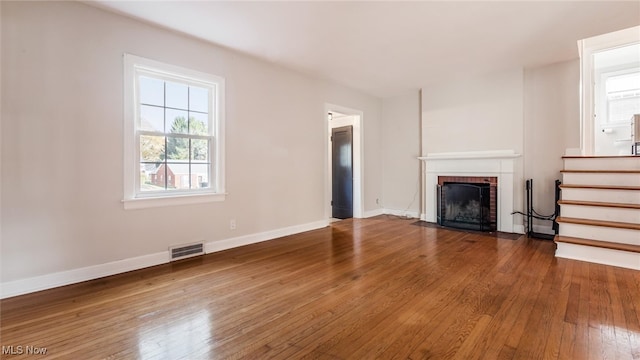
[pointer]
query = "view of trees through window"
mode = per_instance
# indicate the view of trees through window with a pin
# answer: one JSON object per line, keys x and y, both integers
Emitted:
{"x": 175, "y": 135}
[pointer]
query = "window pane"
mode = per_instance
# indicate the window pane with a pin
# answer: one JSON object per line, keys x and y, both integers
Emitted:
{"x": 177, "y": 121}
{"x": 151, "y": 118}
{"x": 151, "y": 148}
{"x": 151, "y": 91}
{"x": 177, "y": 95}
{"x": 175, "y": 176}
{"x": 198, "y": 124}
{"x": 200, "y": 176}
{"x": 199, "y": 150}
{"x": 180, "y": 176}
{"x": 198, "y": 99}
{"x": 623, "y": 109}
{"x": 177, "y": 149}
{"x": 621, "y": 83}
{"x": 623, "y": 95}
{"x": 152, "y": 176}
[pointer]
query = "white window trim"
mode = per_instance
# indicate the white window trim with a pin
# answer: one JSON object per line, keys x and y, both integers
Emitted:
{"x": 132, "y": 198}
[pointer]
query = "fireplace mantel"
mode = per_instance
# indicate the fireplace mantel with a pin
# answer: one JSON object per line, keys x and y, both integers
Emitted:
{"x": 501, "y": 154}
{"x": 475, "y": 163}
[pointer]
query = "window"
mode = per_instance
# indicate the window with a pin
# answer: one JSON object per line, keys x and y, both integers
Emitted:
{"x": 622, "y": 96}
{"x": 174, "y": 140}
{"x": 617, "y": 95}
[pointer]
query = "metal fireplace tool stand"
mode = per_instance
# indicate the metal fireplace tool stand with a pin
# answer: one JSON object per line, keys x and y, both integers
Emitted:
{"x": 531, "y": 213}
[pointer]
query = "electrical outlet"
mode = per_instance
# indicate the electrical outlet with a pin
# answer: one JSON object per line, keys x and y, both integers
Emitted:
{"x": 232, "y": 224}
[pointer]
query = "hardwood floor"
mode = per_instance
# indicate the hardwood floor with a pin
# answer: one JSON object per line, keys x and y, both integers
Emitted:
{"x": 359, "y": 289}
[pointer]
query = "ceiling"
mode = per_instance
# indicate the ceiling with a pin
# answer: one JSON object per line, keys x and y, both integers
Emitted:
{"x": 389, "y": 48}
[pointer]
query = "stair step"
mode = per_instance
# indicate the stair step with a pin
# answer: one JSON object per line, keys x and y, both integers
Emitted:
{"x": 595, "y": 252}
{"x": 601, "y": 195}
{"x": 601, "y": 162}
{"x": 612, "y": 224}
{"x": 601, "y": 171}
{"x": 599, "y": 203}
{"x": 600, "y": 187}
{"x": 600, "y": 157}
{"x": 602, "y": 177}
{"x": 597, "y": 243}
{"x": 623, "y": 213}
{"x": 587, "y": 230}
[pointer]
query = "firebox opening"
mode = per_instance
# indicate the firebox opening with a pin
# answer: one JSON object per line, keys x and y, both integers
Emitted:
{"x": 468, "y": 206}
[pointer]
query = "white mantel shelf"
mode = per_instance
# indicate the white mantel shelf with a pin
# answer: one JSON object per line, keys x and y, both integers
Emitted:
{"x": 475, "y": 163}
{"x": 504, "y": 154}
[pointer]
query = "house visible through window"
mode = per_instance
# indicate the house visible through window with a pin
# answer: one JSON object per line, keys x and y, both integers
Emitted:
{"x": 175, "y": 117}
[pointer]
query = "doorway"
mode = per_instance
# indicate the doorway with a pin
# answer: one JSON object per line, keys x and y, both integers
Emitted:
{"x": 617, "y": 98}
{"x": 342, "y": 172}
{"x": 337, "y": 117}
{"x": 610, "y": 92}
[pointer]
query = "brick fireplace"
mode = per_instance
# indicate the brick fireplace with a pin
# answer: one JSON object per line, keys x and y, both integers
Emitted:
{"x": 496, "y": 166}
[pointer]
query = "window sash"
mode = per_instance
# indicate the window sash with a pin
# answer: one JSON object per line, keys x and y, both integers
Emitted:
{"x": 210, "y": 162}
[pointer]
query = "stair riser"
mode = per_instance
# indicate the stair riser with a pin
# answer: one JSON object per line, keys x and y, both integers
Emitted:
{"x": 626, "y": 259}
{"x": 602, "y": 195}
{"x": 601, "y": 213}
{"x": 626, "y": 163}
{"x": 622, "y": 236}
{"x": 630, "y": 179}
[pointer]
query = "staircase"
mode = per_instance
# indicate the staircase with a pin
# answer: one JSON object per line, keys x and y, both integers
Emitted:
{"x": 600, "y": 210}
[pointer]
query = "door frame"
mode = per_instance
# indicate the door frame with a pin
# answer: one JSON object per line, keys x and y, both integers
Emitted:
{"x": 586, "y": 49}
{"x": 355, "y": 120}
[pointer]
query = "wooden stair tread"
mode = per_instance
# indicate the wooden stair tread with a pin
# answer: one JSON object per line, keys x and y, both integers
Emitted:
{"x": 597, "y": 243}
{"x": 598, "y": 203}
{"x": 599, "y": 156}
{"x": 602, "y": 187}
{"x": 613, "y": 224}
{"x": 601, "y": 171}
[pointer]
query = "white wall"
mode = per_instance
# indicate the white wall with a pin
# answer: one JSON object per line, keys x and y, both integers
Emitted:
{"x": 473, "y": 114}
{"x": 62, "y": 142}
{"x": 552, "y": 124}
{"x": 477, "y": 114}
{"x": 400, "y": 150}
{"x": 1, "y": 146}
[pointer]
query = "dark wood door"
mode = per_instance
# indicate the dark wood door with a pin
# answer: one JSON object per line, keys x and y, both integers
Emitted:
{"x": 342, "y": 172}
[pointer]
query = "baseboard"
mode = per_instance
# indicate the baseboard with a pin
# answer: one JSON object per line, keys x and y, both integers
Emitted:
{"x": 518, "y": 229}
{"x": 543, "y": 229}
{"x": 62, "y": 278}
{"x": 214, "y": 246}
{"x": 372, "y": 213}
{"x": 402, "y": 213}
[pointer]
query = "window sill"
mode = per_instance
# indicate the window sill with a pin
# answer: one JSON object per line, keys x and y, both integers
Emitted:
{"x": 141, "y": 203}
